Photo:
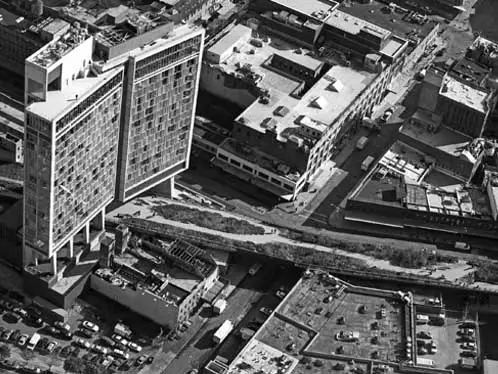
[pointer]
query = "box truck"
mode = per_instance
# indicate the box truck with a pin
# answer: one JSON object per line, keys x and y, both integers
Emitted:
{"x": 219, "y": 306}
{"x": 222, "y": 332}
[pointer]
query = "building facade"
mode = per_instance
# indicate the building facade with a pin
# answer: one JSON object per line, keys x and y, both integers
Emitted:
{"x": 159, "y": 113}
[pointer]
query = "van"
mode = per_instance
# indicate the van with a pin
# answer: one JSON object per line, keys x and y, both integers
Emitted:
{"x": 422, "y": 319}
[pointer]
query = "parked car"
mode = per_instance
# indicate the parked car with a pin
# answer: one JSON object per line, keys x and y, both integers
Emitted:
{"x": 23, "y": 339}
{"x": 105, "y": 340}
{"x": 134, "y": 347}
{"x": 86, "y": 333}
{"x": 424, "y": 335}
{"x": 280, "y": 294}
{"x": 13, "y": 317}
{"x": 15, "y": 335}
{"x": 52, "y": 331}
{"x": 34, "y": 320}
{"x": 99, "y": 349}
{"x": 51, "y": 346}
{"x": 83, "y": 343}
{"x": 66, "y": 351}
{"x": 43, "y": 343}
{"x": 65, "y": 335}
{"x": 6, "y": 334}
{"x": 150, "y": 360}
{"x": 90, "y": 326}
{"x": 121, "y": 354}
{"x": 62, "y": 326}
{"x": 265, "y": 311}
{"x": 140, "y": 360}
{"x": 21, "y": 312}
{"x": 467, "y": 353}
{"x": 387, "y": 114}
{"x": 125, "y": 366}
{"x": 469, "y": 345}
{"x": 10, "y": 365}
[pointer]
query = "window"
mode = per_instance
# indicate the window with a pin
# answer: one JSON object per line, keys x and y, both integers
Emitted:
{"x": 223, "y": 157}
{"x": 245, "y": 167}
{"x": 264, "y": 176}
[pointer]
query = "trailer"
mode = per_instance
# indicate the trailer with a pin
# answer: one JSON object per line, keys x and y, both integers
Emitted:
{"x": 421, "y": 361}
{"x": 33, "y": 341}
{"x": 222, "y": 332}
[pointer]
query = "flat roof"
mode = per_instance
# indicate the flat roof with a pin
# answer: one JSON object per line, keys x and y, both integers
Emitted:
{"x": 444, "y": 139}
{"x": 402, "y": 179}
{"x": 321, "y": 105}
{"x": 396, "y": 22}
{"x": 255, "y": 58}
{"x": 472, "y": 97}
{"x": 238, "y": 32}
{"x": 58, "y": 102}
{"x": 393, "y": 46}
{"x": 258, "y": 357}
{"x": 257, "y": 157}
{"x": 353, "y": 25}
{"x": 309, "y": 8}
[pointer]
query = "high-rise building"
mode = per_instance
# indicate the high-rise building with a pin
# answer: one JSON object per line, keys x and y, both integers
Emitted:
{"x": 72, "y": 128}
{"x": 105, "y": 121}
{"x": 158, "y": 113}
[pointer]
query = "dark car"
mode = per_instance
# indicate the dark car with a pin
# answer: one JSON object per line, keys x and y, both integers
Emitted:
{"x": 65, "y": 335}
{"x": 140, "y": 360}
{"x": 50, "y": 330}
{"x": 43, "y": 343}
{"x": 15, "y": 335}
{"x": 34, "y": 320}
{"x": 86, "y": 333}
{"x": 468, "y": 353}
{"x": 126, "y": 365}
{"x": 76, "y": 351}
{"x": 14, "y": 295}
{"x": 150, "y": 360}
{"x": 10, "y": 364}
{"x": 7, "y": 334}
{"x": 105, "y": 340}
{"x": 66, "y": 351}
{"x": 12, "y": 317}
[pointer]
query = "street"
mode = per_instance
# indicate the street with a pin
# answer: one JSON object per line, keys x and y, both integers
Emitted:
{"x": 240, "y": 302}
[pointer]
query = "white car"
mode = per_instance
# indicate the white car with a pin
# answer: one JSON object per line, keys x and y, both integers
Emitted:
{"x": 99, "y": 349}
{"x": 134, "y": 347}
{"x": 469, "y": 345}
{"x": 119, "y": 353}
{"x": 117, "y": 338}
{"x": 83, "y": 343}
{"x": 90, "y": 326}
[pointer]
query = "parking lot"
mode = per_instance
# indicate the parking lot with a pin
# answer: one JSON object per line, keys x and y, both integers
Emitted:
{"x": 448, "y": 342}
{"x": 53, "y": 349}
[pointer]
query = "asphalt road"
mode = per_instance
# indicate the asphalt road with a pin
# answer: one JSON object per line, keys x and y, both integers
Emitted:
{"x": 377, "y": 145}
{"x": 240, "y": 302}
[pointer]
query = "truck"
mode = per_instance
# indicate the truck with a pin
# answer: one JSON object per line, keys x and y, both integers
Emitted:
{"x": 254, "y": 269}
{"x": 123, "y": 330}
{"x": 222, "y": 332}
{"x": 365, "y": 165}
{"x": 219, "y": 306}
{"x": 33, "y": 341}
{"x": 421, "y": 361}
{"x": 362, "y": 142}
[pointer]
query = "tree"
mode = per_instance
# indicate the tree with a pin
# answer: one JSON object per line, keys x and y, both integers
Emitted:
{"x": 4, "y": 351}
{"x": 27, "y": 355}
{"x": 74, "y": 365}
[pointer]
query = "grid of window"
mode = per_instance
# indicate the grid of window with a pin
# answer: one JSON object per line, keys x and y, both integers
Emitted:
{"x": 38, "y": 159}
{"x": 88, "y": 102}
{"x": 168, "y": 56}
{"x": 85, "y": 165}
{"x": 161, "y": 117}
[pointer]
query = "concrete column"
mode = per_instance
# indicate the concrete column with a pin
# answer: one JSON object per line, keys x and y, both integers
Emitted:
{"x": 71, "y": 247}
{"x": 166, "y": 188}
{"x": 87, "y": 232}
{"x": 54, "y": 264}
{"x": 102, "y": 220}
